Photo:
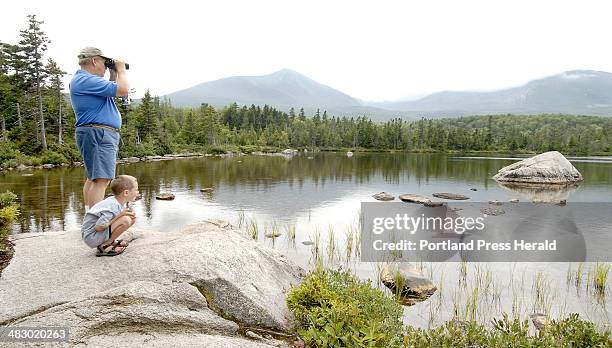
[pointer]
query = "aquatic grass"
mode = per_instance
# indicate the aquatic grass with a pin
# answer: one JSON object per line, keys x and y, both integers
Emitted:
{"x": 575, "y": 276}
{"x": 463, "y": 271}
{"x": 349, "y": 243}
{"x": 542, "y": 294}
{"x": 241, "y": 218}
{"x": 357, "y": 235}
{"x": 253, "y": 229}
{"x": 600, "y": 278}
{"x": 331, "y": 244}
{"x": 436, "y": 307}
{"x": 379, "y": 270}
{"x": 290, "y": 231}
{"x": 316, "y": 245}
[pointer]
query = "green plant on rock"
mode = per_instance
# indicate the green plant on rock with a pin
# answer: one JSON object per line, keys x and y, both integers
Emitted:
{"x": 333, "y": 308}
{"x": 569, "y": 332}
{"x": 9, "y": 211}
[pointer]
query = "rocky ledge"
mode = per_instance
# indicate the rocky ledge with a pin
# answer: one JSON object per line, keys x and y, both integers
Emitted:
{"x": 205, "y": 285}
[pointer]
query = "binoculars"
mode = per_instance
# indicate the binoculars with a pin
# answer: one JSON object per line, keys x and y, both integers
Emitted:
{"x": 110, "y": 63}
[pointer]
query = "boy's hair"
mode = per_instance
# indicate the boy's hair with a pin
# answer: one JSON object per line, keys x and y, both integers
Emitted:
{"x": 122, "y": 183}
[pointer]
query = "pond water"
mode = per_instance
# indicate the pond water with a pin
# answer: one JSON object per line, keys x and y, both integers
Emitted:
{"x": 310, "y": 197}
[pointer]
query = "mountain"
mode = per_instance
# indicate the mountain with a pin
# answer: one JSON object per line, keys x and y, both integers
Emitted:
{"x": 283, "y": 89}
{"x": 583, "y": 92}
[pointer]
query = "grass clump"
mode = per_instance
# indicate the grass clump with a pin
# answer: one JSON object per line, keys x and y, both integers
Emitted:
{"x": 333, "y": 308}
{"x": 569, "y": 332}
{"x": 9, "y": 212}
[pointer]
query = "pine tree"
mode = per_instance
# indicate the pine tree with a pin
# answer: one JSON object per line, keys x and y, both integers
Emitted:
{"x": 34, "y": 45}
{"x": 56, "y": 74}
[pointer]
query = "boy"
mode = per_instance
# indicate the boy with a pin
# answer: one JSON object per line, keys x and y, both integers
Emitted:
{"x": 108, "y": 219}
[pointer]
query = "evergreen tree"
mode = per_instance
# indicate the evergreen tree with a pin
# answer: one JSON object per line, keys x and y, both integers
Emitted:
{"x": 56, "y": 74}
{"x": 33, "y": 44}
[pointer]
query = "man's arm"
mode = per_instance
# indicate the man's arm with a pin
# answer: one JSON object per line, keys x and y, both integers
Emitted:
{"x": 123, "y": 86}
{"x": 113, "y": 75}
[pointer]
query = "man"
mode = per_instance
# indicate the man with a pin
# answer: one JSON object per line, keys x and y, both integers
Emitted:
{"x": 97, "y": 119}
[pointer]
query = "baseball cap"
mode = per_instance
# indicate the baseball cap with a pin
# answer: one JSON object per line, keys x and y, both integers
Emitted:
{"x": 88, "y": 52}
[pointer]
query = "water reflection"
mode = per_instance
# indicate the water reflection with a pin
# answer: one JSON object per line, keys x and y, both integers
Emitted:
{"x": 540, "y": 193}
{"x": 275, "y": 186}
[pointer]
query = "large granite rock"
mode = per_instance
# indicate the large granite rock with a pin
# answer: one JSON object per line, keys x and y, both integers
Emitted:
{"x": 546, "y": 168}
{"x": 204, "y": 282}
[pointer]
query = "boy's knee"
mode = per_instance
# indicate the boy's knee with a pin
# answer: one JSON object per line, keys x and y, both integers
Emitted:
{"x": 125, "y": 220}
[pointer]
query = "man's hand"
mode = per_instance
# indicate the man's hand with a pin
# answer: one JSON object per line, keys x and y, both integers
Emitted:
{"x": 123, "y": 87}
{"x": 120, "y": 66}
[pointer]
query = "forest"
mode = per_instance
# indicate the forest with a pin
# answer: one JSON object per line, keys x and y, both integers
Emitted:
{"x": 37, "y": 122}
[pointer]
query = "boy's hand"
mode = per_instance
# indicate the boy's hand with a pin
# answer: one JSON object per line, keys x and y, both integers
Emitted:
{"x": 127, "y": 212}
{"x": 132, "y": 215}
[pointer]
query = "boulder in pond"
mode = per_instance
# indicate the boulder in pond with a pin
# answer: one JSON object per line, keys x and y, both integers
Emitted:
{"x": 433, "y": 204}
{"x": 410, "y": 283}
{"x": 448, "y": 195}
{"x": 492, "y": 211}
{"x": 383, "y": 196}
{"x": 165, "y": 196}
{"x": 546, "y": 168}
{"x": 413, "y": 198}
{"x": 289, "y": 152}
{"x": 131, "y": 159}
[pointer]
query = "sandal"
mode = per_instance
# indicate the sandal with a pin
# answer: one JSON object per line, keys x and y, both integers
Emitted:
{"x": 109, "y": 250}
{"x": 120, "y": 243}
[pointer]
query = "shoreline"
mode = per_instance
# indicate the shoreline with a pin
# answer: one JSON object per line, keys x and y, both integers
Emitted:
{"x": 167, "y": 157}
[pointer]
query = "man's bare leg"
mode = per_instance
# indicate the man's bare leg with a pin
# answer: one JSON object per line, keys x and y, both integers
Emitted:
{"x": 86, "y": 188}
{"x": 96, "y": 191}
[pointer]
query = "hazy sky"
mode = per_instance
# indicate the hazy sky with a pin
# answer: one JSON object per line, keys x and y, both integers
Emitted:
{"x": 373, "y": 50}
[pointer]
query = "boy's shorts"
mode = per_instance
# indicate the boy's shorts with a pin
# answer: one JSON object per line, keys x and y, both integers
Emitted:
{"x": 94, "y": 238}
{"x": 98, "y": 148}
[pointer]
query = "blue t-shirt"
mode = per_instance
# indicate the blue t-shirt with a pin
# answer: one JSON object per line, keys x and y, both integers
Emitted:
{"x": 92, "y": 100}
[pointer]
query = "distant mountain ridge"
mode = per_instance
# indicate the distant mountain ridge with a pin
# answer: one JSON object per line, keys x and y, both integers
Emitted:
{"x": 584, "y": 92}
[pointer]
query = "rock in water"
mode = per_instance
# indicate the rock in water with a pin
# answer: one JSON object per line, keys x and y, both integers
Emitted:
{"x": 289, "y": 152}
{"x": 447, "y": 195}
{"x": 167, "y": 287}
{"x": 383, "y": 196}
{"x": 207, "y": 189}
{"x": 539, "y": 320}
{"x": 492, "y": 211}
{"x": 165, "y": 196}
{"x": 413, "y": 198}
{"x": 414, "y": 286}
{"x": 546, "y": 168}
{"x": 273, "y": 235}
{"x": 433, "y": 204}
